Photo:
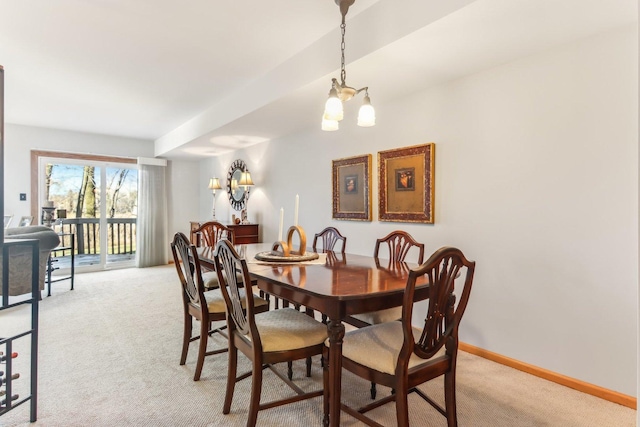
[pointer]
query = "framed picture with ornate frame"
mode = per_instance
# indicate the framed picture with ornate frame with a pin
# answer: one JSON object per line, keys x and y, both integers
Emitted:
{"x": 352, "y": 188}
{"x": 406, "y": 184}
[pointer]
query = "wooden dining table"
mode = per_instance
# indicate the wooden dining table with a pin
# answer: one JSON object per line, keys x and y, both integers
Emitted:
{"x": 342, "y": 285}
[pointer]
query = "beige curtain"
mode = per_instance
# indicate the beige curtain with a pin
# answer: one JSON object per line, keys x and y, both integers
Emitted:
{"x": 152, "y": 241}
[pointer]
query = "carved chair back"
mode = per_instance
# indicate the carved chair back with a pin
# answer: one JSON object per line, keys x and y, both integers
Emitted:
{"x": 212, "y": 231}
{"x": 240, "y": 317}
{"x": 399, "y": 243}
{"x": 187, "y": 264}
{"x": 329, "y": 237}
{"x": 445, "y": 269}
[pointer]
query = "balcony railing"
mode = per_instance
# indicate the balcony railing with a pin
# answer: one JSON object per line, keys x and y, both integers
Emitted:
{"x": 121, "y": 234}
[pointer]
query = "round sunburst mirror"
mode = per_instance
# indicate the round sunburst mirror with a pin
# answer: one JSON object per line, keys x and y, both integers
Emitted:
{"x": 234, "y": 191}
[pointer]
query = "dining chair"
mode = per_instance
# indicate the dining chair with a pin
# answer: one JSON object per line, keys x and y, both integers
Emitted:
{"x": 398, "y": 244}
{"x": 205, "y": 306}
{"x": 211, "y": 232}
{"x": 401, "y": 356}
{"x": 330, "y": 237}
{"x": 208, "y": 235}
{"x": 266, "y": 338}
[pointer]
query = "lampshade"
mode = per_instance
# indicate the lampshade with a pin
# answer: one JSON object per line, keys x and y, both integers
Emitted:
{"x": 214, "y": 184}
{"x": 366, "y": 115}
{"x": 333, "y": 109}
{"x": 245, "y": 179}
{"x": 329, "y": 125}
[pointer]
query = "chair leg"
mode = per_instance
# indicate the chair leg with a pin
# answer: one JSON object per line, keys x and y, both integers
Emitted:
{"x": 450, "y": 399}
{"x": 308, "y": 367}
{"x": 186, "y": 337}
{"x": 325, "y": 383}
{"x": 256, "y": 389}
{"x": 290, "y": 370}
{"x": 202, "y": 348}
{"x": 373, "y": 390}
{"x": 402, "y": 406}
{"x": 232, "y": 369}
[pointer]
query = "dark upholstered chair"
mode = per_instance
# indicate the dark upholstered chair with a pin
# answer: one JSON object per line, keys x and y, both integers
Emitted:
{"x": 20, "y": 257}
{"x": 206, "y": 307}
{"x": 398, "y": 244}
{"x": 266, "y": 338}
{"x": 402, "y": 357}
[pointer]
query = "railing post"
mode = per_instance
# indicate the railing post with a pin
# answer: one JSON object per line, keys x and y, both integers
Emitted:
{"x": 80, "y": 237}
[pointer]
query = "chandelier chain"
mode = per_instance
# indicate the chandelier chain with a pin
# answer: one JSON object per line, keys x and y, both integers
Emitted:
{"x": 343, "y": 71}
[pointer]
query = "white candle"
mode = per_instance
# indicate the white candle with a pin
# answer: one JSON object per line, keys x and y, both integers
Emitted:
{"x": 281, "y": 224}
{"x": 295, "y": 212}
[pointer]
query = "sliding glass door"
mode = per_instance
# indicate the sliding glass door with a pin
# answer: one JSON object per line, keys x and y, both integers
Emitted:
{"x": 97, "y": 203}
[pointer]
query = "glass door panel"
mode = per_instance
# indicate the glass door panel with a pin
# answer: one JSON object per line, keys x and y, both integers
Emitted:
{"x": 122, "y": 209}
{"x": 74, "y": 192}
{"x": 97, "y": 202}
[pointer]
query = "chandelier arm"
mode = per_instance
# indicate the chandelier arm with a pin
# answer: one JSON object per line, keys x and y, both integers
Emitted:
{"x": 365, "y": 89}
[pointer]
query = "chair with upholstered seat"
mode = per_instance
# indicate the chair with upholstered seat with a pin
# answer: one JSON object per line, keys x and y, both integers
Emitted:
{"x": 330, "y": 237}
{"x": 208, "y": 235}
{"x": 266, "y": 338}
{"x": 399, "y": 244}
{"x": 402, "y": 357}
{"x": 193, "y": 295}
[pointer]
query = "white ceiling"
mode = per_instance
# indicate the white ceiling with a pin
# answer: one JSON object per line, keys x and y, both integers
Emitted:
{"x": 201, "y": 77}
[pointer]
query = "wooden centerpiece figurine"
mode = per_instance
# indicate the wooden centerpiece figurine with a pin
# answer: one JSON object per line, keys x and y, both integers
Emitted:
{"x": 286, "y": 247}
{"x": 283, "y": 251}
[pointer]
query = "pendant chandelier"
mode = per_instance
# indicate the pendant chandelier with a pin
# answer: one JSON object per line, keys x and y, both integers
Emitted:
{"x": 340, "y": 92}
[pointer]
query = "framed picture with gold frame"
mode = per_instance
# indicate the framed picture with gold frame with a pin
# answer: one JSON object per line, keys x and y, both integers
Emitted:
{"x": 351, "y": 179}
{"x": 406, "y": 184}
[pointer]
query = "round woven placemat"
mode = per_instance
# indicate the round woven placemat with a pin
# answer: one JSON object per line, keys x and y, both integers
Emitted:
{"x": 273, "y": 256}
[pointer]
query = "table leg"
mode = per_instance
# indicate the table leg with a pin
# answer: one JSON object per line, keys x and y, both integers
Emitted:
{"x": 335, "y": 330}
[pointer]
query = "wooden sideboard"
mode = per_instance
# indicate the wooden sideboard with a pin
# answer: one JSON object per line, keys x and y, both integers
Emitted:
{"x": 244, "y": 233}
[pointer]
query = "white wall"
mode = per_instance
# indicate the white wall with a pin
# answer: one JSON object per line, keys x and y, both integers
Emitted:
{"x": 536, "y": 180}
{"x": 183, "y": 196}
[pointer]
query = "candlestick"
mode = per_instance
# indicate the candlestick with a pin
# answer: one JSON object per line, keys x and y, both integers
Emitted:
{"x": 295, "y": 212}
{"x": 281, "y": 224}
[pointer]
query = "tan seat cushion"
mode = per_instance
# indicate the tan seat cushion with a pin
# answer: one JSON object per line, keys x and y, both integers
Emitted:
{"x": 380, "y": 316}
{"x": 216, "y": 304}
{"x": 210, "y": 279}
{"x": 378, "y": 346}
{"x": 288, "y": 329}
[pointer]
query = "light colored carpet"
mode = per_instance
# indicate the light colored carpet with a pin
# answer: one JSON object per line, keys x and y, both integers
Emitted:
{"x": 109, "y": 353}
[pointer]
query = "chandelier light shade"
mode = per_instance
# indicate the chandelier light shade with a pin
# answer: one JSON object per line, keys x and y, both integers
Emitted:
{"x": 366, "y": 115}
{"x": 340, "y": 92}
{"x": 329, "y": 125}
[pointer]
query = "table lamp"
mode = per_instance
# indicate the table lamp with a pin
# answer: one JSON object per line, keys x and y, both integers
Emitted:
{"x": 246, "y": 182}
{"x": 214, "y": 184}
